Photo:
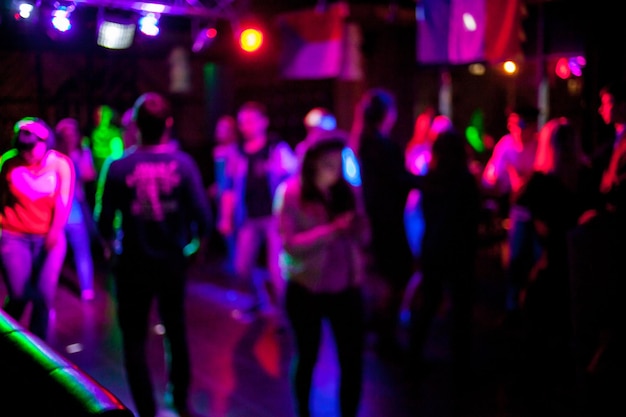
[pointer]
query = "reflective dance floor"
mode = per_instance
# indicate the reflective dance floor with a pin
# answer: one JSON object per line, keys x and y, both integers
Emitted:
{"x": 241, "y": 363}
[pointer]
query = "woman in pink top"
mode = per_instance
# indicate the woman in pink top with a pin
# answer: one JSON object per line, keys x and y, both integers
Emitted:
{"x": 36, "y": 191}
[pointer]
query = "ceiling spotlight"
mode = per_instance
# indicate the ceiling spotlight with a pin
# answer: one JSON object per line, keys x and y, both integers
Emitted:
{"x": 61, "y": 16}
{"x": 23, "y": 9}
{"x": 250, "y": 39}
{"x": 149, "y": 24}
{"x": 115, "y": 31}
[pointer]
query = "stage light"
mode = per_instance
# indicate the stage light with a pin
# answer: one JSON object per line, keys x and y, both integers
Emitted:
{"x": 477, "y": 69}
{"x": 204, "y": 38}
{"x": 114, "y": 31}
{"x": 509, "y": 67}
{"x": 24, "y": 9}
{"x": 61, "y": 17}
{"x": 250, "y": 39}
{"x": 566, "y": 67}
{"x": 576, "y": 65}
{"x": 151, "y": 7}
{"x": 469, "y": 22}
{"x": 562, "y": 69}
{"x": 149, "y": 24}
{"x": 115, "y": 35}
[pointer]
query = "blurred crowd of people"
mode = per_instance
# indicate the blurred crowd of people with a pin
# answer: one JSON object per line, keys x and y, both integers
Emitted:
{"x": 426, "y": 208}
{"x": 342, "y": 209}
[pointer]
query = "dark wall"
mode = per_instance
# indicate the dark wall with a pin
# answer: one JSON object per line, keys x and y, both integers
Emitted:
{"x": 55, "y": 78}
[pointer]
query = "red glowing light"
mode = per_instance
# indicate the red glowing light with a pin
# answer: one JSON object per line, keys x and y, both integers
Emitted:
{"x": 562, "y": 68}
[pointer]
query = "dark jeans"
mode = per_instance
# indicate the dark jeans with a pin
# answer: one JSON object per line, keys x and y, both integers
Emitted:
{"x": 345, "y": 313}
{"x": 138, "y": 282}
{"x": 440, "y": 275}
{"x": 31, "y": 274}
{"x": 524, "y": 250}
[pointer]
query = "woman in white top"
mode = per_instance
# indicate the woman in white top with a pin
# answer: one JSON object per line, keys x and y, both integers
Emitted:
{"x": 323, "y": 230}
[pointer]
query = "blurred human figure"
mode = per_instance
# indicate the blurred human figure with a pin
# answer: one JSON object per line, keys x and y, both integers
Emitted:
{"x": 264, "y": 161}
{"x": 106, "y": 137}
{"x": 554, "y": 199}
{"x": 418, "y": 153}
{"x": 596, "y": 249}
{"x": 507, "y": 170}
{"x": 158, "y": 191}
{"x": 226, "y": 146}
{"x": 386, "y": 183}
{"x": 130, "y": 138}
{"x": 451, "y": 206}
{"x": 77, "y": 229}
{"x": 36, "y": 192}
{"x": 130, "y": 134}
{"x": 324, "y": 230}
{"x": 607, "y": 159}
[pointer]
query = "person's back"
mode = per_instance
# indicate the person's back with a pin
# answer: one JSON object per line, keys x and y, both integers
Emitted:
{"x": 451, "y": 206}
{"x": 385, "y": 186}
{"x": 158, "y": 191}
{"x": 155, "y": 190}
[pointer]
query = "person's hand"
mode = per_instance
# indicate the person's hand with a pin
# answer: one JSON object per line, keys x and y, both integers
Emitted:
{"x": 52, "y": 238}
{"x": 107, "y": 250}
{"x": 586, "y": 216}
{"x": 225, "y": 226}
{"x": 607, "y": 182}
{"x": 344, "y": 222}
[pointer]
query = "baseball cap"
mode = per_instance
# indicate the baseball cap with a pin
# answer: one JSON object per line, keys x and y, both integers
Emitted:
{"x": 30, "y": 130}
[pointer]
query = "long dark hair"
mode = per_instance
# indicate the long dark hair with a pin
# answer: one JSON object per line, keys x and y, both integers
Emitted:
{"x": 342, "y": 198}
{"x": 450, "y": 157}
{"x": 370, "y": 112}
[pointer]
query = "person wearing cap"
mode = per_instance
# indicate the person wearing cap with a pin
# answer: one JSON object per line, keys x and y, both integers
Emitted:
{"x": 323, "y": 230}
{"x": 36, "y": 191}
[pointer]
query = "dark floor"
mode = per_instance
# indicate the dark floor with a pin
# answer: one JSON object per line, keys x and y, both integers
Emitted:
{"x": 241, "y": 365}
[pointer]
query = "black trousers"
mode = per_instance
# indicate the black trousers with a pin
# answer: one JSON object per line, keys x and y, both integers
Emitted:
{"x": 138, "y": 282}
{"x": 345, "y": 314}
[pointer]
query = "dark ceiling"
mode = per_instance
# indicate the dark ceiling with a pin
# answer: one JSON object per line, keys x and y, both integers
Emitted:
{"x": 563, "y": 23}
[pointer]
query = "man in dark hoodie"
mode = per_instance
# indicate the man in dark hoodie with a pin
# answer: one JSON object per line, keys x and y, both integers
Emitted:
{"x": 157, "y": 189}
